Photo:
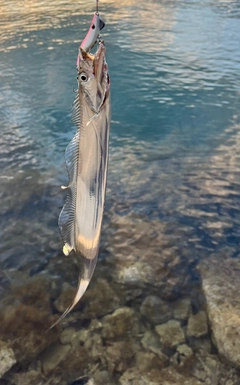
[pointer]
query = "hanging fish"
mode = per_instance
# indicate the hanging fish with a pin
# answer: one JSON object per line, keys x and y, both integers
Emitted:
{"x": 86, "y": 156}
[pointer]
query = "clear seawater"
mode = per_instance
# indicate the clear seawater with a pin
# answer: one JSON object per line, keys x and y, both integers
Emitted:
{"x": 175, "y": 133}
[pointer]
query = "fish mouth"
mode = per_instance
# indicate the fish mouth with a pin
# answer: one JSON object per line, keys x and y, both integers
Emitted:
{"x": 83, "y": 56}
{"x": 88, "y": 57}
{"x": 95, "y": 61}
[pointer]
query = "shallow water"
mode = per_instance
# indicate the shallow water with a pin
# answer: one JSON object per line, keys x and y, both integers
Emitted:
{"x": 174, "y": 151}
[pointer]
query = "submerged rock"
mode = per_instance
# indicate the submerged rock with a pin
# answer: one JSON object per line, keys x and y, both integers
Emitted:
{"x": 122, "y": 323}
{"x": 76, "y": 360}
{"x": 167, "y": 376}
{"x": 31, "y": 377}
{"x": 134, "y": 264}
{"x": 94, "y": 346}
{"x": 25, "y": 327}
{"x": 99, "y": 300}
{"x": 182, "y": 309}
{"x": 197, "y": 325}
{"x": 25, "y": 322}
{"x": 85, "y": 380}
{"x": 69, "y": 336}
{"x": 7, "y": 358}
{"x": 147, "y": 361}
{"x": 156, "y": 310}
{"x": 53, "y": 356}
{"x": 150, "y": 342}
{"x": 65, "y": 298}
{"x": 203, "y": 344}
{"x": 101, "y": 377}
{"x": 206, "y": 367}
{"x": 184, "y": 352}
{"x": 221, "y": 286}
{"x": 171, "y": 334}
{"x": 172, "y": 377}
{"x": 137, "y": 273}
{"x": 119, "y": 355}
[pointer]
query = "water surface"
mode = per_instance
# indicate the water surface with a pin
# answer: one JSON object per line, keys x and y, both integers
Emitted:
{"x": 173, "y": 192}
{"x": 174, "y": 151}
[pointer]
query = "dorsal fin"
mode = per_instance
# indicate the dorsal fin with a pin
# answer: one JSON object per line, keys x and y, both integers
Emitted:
{"x": 66, "y": 220}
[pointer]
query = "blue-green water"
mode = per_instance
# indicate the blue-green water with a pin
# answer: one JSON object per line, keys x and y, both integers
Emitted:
{"x": 174, "y": 151}
{"x": 173, "y": 193}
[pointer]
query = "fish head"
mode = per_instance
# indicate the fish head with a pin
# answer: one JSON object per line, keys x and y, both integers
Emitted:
{"x": 93, "y": 78}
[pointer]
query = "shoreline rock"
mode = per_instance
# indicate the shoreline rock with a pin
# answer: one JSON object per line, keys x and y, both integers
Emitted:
{"x": 221, "y": 287}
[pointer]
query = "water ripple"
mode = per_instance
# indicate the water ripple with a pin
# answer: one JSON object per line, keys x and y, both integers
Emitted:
{"x": 175, "y": 96}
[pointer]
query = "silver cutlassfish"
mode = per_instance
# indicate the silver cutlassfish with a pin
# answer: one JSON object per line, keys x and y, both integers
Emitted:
{"x": 87, "y": 158}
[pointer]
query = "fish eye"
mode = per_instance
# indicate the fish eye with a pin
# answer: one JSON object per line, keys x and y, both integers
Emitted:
{"x": 83, "y": 77}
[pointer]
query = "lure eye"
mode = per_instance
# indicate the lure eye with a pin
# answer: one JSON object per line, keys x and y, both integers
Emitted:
{"x": 83, "y": 77}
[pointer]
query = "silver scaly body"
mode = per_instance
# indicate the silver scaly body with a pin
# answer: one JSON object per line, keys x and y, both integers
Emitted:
{"x": 86, "y": 156}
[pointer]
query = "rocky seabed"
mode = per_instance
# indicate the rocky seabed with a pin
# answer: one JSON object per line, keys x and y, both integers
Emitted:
{"x": 122, "y": 333}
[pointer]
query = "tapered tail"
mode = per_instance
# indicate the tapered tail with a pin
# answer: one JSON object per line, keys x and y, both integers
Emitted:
{"x": 87, "y": 269}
